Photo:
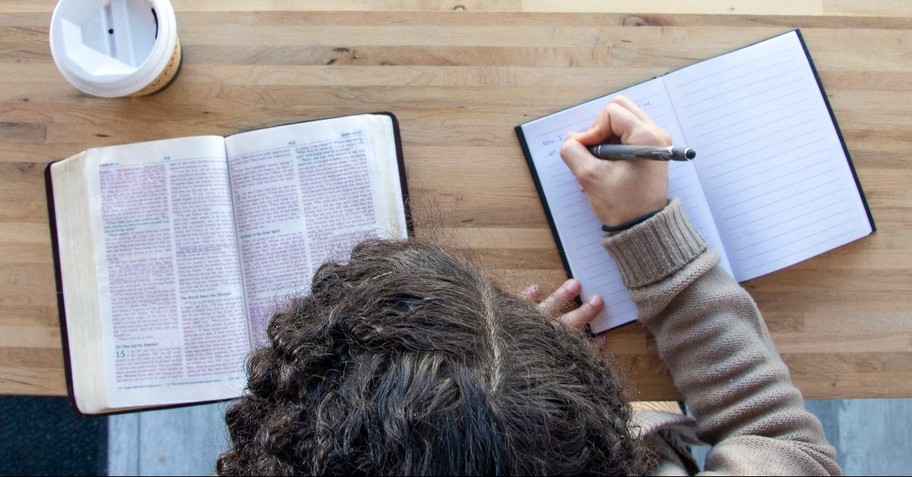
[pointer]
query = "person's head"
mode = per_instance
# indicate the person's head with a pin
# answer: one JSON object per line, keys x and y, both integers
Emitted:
{"x": 406, "y": 360}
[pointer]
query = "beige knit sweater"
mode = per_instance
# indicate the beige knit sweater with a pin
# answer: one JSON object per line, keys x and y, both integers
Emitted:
{"x": 711, "y": 336}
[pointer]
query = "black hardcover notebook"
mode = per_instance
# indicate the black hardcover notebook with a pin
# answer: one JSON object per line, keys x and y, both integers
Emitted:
{"x": 172, "y": 255}
{"x": 772, "y": 184}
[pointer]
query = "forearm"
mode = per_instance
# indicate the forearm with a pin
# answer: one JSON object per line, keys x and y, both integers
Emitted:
{"x": 710, "y": 334}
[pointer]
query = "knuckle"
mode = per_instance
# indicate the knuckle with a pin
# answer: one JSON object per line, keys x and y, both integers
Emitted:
{"x": 613, "y": 108}
{"x": 587, "y": 174}
{"x": 655, "y": 136}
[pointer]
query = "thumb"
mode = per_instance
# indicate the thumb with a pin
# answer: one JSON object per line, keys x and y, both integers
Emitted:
{"x": 575, "y": 155}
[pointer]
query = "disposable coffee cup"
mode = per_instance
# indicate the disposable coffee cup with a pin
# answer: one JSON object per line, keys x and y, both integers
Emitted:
{"x": 113, "y": 48}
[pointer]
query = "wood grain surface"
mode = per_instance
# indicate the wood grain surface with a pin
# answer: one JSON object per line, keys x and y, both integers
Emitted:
{"x": 460, "y": 76}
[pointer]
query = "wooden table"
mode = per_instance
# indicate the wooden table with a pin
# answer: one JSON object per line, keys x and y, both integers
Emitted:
{"x": 459, "y": 81}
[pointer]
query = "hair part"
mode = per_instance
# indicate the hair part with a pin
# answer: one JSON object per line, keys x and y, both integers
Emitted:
{"x": 406, "y": 360}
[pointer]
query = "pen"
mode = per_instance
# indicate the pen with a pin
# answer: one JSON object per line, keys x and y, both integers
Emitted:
{"x": 623, "y": 151}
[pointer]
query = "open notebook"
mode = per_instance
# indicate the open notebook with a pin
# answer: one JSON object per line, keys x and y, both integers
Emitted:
{"x": 772, "y": 183}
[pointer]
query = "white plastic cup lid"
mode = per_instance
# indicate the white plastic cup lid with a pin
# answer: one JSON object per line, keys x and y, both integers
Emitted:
{"x": 112, "y": 48}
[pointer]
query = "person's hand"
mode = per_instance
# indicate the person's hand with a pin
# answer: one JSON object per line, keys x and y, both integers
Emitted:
{"x": 557, "y": 304}
{"x": 623, "y": 190}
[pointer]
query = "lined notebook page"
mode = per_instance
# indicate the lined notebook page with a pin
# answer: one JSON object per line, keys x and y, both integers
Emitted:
{"x": 771, "y": 163}
{"x": 578, "y": 229}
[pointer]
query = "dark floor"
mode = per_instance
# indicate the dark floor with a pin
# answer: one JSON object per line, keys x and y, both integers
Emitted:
{"x": 42, "y": 436}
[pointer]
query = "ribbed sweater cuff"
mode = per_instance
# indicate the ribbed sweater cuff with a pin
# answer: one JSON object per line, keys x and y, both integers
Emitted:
{"x": 656, "y": 248}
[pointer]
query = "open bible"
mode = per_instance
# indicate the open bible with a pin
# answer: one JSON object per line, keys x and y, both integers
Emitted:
{"x": 171, "y": 255}
{"x": 772, "y": 183}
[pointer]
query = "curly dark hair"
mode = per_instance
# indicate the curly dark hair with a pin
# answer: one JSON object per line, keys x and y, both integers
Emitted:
{"x": 407, "y": 361}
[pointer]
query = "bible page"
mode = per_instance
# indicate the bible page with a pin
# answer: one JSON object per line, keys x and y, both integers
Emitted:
{"x": 168, "y": 270}
{"x": 305, "y": 193}
{"x": 578, "y": 229}
{"x": 769, "y": 156}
